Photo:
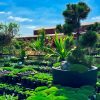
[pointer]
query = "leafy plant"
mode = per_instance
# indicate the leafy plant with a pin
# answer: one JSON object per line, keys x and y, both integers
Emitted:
{"x": 57, "y": 64}
{"x": 86, "y": 38}
{"x": 62, "y": 48}
{"x": 78, "y": 68}
{"x": 41, "y": 88}
{"x": 39, "y": 44}
{"x": 8, "y": 97}
{"x": 63, "y": 93}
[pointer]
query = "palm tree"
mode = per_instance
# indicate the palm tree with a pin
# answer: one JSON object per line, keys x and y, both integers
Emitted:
{"x": 74, "y": 13}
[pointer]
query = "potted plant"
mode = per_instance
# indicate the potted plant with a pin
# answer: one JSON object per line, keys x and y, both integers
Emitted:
{"x": 76, "y": 70}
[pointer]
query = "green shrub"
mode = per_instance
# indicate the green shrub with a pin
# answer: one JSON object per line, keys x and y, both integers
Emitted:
{"x": 88, "y": 39}
{"x": 98, "y": 96}
{"x": 63, "y": 93}
{"x": 14, "y": 59}
{"x": 51, "y": 90}
{"x": 7, "y": 64}
{"x": 38, "y": 96}
{"x": 43, "y": 76}
{"x": 8, "y": 68}
{"x": 18, "y": 66}
{"x": 78, "y": 68}
{"x": 41, "y": 88}
{"x": 76, "y": 56}
{"x": 87, "y": 90}
{"x": 14, "y": 88}
{"x": 57, "y": 64}
{"x": 60, "y": 98}
{"x": 8, "y": 97}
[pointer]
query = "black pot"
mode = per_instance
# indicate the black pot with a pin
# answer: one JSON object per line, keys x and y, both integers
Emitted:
{"x": 74, "y": 79}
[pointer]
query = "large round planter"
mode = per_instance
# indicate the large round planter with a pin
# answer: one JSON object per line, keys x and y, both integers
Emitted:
{"x": 74, "y": 79}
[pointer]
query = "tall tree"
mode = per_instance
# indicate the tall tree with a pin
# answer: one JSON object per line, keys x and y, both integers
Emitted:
{"x": 7, "y": 33}
{"x": 74, "y": 13}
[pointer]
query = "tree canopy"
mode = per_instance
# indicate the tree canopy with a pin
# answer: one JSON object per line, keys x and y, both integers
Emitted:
{"x": 73, "y": 14}
{"x": 7, "y": 32}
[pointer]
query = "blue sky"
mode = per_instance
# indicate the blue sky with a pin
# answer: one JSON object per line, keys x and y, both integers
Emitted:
{"x": 32, "y": 14}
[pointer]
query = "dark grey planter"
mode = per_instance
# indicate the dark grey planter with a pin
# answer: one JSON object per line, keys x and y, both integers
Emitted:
{"x": 74, "y": 79}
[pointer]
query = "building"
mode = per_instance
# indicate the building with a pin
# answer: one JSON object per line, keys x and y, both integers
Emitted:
{"x": 51, "y": 31}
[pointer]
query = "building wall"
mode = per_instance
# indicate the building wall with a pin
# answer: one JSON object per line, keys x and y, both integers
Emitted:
{"x": 51, "y": 32}
{"x": 47, "y": 31}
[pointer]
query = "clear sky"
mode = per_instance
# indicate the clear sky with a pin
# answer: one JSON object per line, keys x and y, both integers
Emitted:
{"x": 32, "y": 14}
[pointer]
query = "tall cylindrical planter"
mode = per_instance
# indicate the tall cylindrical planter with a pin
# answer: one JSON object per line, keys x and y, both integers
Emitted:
{"x": 74, "y": 79}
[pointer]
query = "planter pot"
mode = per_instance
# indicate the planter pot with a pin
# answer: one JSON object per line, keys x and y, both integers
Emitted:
{"x": 74, "y": 79}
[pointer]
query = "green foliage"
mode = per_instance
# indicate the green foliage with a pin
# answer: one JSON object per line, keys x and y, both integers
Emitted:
{"x": 7, "y": 64}
{"x": 15, "y": 71}
{"x": 98, "y": 96}
{"x": 73, "y": 14}
{"x": 40, "y": 42}
{"x": 24, "y": 69}
{"x": 68, "y": 29}
{"x": 88, "y": 39}
{"x": 41, "y": 88}
{"x": 78, "y": 68}
{"x": 8, "y": 97}
{"x": 5, "y": 39}
{"x": 81, "y": 9}
{"x": 69, "y": 41}
{"x": 7, "y": 32}
{"x": 14, "y": 88}
{"x": 12, "y": 28}
{"x": 36, "y": 45}
{"x": 89, "y": 61}
{"x": 43, "y": 78}
{"x": 62, "y": 48}
{"x": 14, "y": 59}
{"x": 57, "y": 64}
{"x": 76, "y": 56}
{"x": 8, "y": 68}
{"x": 23, "y": 54}
{"x": 63, "y": 93}
{"x": 39, "y": 96}
{"x": 59, "y": 29}
{"x": 94, "y": 27}
{"x": 17, "y": 43}
{"x": 51, "y": 90}
{"x": 87, "y": 90}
